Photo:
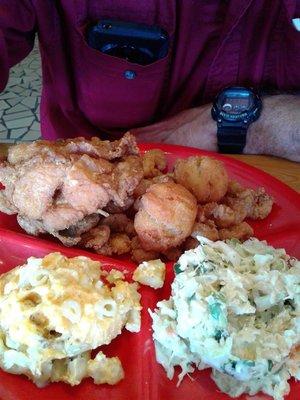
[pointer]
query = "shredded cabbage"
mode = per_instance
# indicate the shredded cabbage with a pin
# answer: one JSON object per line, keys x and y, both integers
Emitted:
{"x": 234, "y": 307}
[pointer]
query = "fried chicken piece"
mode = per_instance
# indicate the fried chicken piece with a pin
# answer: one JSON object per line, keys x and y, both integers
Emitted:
{"x": 166, "y": 216}
{"x": 61, "y": 149}
{"x": 54, "y": 186}
{"x": 138, "y": 254}
{"x": 154, "y": 163}
{"x": 86, "y": 224}
{"x": 31, "y": 226}
{"x": 5, "y": 205}
{"x": 36, "y": 186}
{"x": 242, "y": 231}
{"x": 205, "y": 177}
{"x": 113, "y": 208}
{"x": 124, "y": 179}
{"x": 95, "y": 238}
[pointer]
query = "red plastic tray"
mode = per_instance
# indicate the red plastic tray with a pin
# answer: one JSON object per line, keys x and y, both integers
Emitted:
{"x": 144, "y": 378}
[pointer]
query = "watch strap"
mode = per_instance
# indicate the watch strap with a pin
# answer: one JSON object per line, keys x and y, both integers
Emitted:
{"x": 231, "y": 139}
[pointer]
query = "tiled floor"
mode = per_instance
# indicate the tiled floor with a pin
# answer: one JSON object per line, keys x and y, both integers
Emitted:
{"x": 19, "y": 102}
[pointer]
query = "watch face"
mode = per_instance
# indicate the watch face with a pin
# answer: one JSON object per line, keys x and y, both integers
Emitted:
{"x": 233, "y": 103}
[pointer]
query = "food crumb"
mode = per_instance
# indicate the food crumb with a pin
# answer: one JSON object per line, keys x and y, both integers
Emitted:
{"x": 150, "y": 273}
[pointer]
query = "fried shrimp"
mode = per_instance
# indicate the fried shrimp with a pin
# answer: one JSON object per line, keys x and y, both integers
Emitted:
{"x": 205, "y": 177}
{"x": 241, "y": 231}
{"x": 154, "y": 162}
{"x": 207, "y": 230}
{"x": 166, "y": 216}
{"x": 254, "y": 204}
{"x": 262, "y": 205}
{"x": 96, "y": 237}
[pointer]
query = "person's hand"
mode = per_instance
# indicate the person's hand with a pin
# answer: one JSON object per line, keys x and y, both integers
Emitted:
{"x": 276, "y": 132}
{"x": 194, "y": 127}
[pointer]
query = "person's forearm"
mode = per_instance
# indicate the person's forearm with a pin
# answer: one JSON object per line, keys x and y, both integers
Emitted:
{"x": 276, "y": 132}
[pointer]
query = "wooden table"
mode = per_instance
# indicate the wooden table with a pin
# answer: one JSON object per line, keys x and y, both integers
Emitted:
{"x": 286, "y": 171}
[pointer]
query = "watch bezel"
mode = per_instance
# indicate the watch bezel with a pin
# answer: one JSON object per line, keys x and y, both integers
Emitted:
{"x": 242, "y": 119}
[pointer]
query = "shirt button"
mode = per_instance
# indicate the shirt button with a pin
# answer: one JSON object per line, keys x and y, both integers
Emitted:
{"x": 130, "y": 74}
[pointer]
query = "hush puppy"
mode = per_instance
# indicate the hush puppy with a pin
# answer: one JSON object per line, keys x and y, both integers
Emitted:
{"x": 205, "y": 177}
{"x": 166, "y": 216}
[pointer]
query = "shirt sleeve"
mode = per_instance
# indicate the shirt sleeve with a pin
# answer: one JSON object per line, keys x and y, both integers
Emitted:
{"x": 17, "y": 32}
{"x": 297, "y": 13}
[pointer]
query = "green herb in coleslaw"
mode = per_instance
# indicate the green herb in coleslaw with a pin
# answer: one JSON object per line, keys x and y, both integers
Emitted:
{"x": 234, "y": 307}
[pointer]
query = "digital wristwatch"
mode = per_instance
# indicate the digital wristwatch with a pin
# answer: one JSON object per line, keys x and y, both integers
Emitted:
{"x": 234, "y": 109}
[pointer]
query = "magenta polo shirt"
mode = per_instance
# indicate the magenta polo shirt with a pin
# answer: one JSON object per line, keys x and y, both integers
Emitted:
{"x": 214, "y": 43}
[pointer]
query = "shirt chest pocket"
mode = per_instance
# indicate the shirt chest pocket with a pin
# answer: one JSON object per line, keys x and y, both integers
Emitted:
{"x": 115, "y": 94}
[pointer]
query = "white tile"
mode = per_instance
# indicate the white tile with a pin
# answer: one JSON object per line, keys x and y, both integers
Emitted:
{"x": 15, "y": 101}
{"x": 5, "y": 140}
{"x": 8, "y": 95}
{"x": 17, "y": 108}
{"x": 30, "y": 101}
{"x": 3, "y": 105}
{"x": 26, "y": 92}
{"x": 3, "y": 134}
{"x": 32, "y": 135}
{"x": 35, "y": 126}
{"x": 19, "y": 123}
{"x": 16, "y": 89}
{"x": 16, "y": 133}
{"x": 23, "y": 114}
{"x": 14, "y": 80}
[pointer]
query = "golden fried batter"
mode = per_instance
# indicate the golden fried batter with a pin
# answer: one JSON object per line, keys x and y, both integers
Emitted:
{"x": 242, "y": 231}
{"x": 166, "y": 216}
{"x": 207, "y": 230}
{"x": 154, "y": 162}
{"x": 138, "y": 254}
{"x": 205, "y": 177}
{"x": 119, "y": 243}
{"x": 96, "y": 237}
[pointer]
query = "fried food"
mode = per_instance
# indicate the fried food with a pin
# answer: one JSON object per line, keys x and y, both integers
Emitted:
{"x": 56, "y": 186}
{"x": 254, "y": 204}
{"x": 205, "y": 177}
{"x": 262, "y": 206}
{"x": 96, "y": 238}
{"x": 61, "y": 149}
{"x": 107, "y": 197}
{"x": 146, "y": 183}
{"x": 138, "y": 254}
{"x": 120, "y": 243}
{"x": 222, "y": 215}
{"x": 242, "y": 231}
{"x": 166, "y": 216}
{"x": 119, "y": 223}
{"x": 154, "y": 163}
{"x": 207, "y": 230}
